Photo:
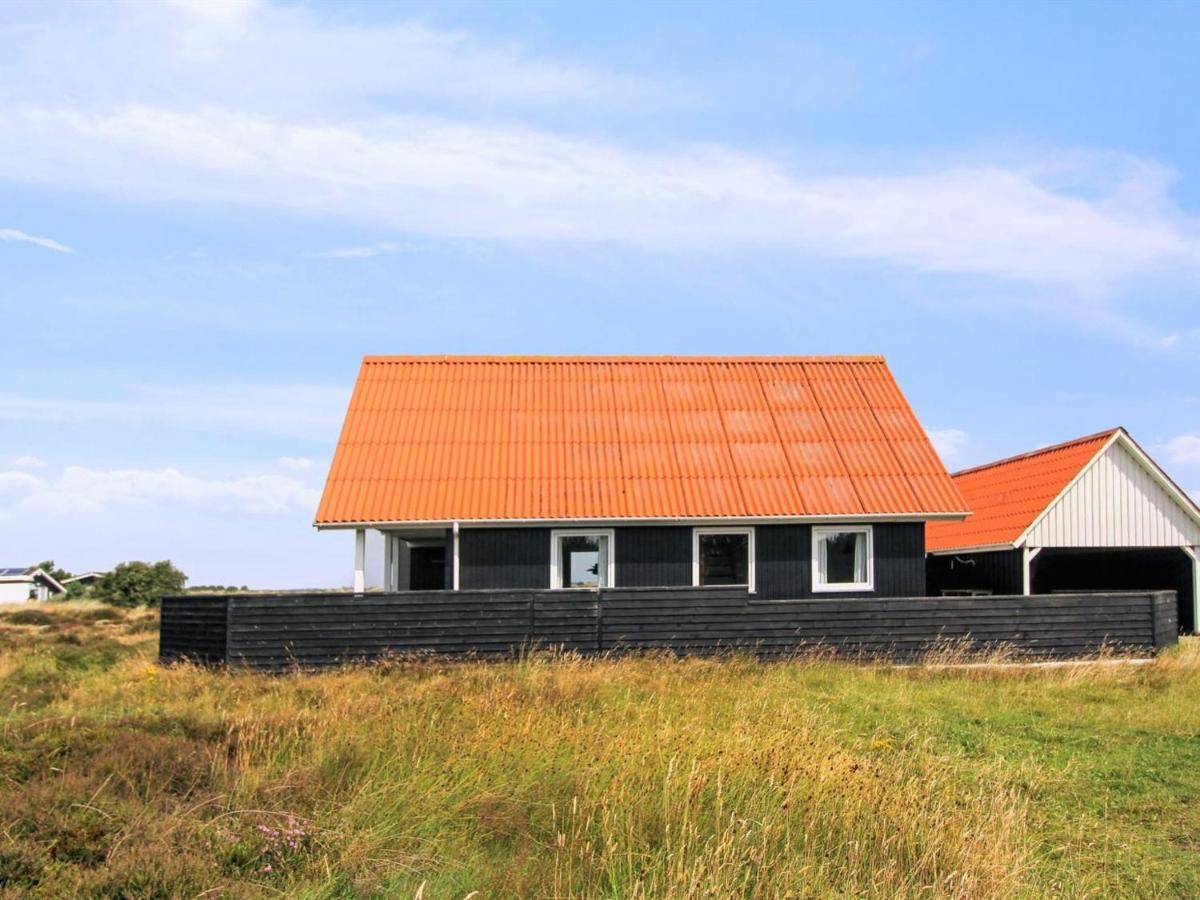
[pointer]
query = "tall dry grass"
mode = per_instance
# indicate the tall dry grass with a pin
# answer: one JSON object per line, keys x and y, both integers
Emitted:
{"x": 553, "y": 776}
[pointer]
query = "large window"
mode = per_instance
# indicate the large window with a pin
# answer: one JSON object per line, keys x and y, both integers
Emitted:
{"x": 723, "y": 556}
{"x": 842, "y": 558}
{"x": 581, "y": 559}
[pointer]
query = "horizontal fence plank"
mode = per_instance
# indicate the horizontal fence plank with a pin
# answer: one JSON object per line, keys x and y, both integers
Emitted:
{"x": 309, "y": 630}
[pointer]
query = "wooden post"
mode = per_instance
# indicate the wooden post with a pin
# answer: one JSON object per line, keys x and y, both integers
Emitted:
{"x": 1194, "y": 553}
{"x": 389, "y": 562}
{"x": 360, "y": 560}
{"x": 1027, "y": 555}
{"x": 454, "y": 569}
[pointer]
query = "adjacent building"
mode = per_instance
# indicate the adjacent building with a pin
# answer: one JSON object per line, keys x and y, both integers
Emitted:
{"x": 1093, "y": 514}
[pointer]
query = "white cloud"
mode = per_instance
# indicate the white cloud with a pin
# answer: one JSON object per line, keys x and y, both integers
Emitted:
{"x": 250, "y": 104}
{"x": 445, "y": 179}
{"x": 1184, "y": 449}
{"x": 12, "y": 234}
{"x": 29, "y": 462}
{"x": 83, "y": 489}
{"x": 308, "y": 411}
{"x": 275, "y": 57}
{"x": 247, "y": 528}
{"x": 947, "y": 442}
{"x": 14, "y": 485}
{"x": 380, "y": 248}
{"x": 295, "y": 463}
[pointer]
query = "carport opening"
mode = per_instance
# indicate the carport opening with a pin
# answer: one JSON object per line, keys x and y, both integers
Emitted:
{"x": 1149, "y": 569}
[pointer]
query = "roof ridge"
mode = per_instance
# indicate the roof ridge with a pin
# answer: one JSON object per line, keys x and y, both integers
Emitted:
{"x": 600, "y": 358}
{"x": 1074, "y": 442}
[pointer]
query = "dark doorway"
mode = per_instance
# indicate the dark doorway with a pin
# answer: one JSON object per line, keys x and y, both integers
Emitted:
{"x": 427, "y": 568}
{"x": 1149, "y": 569}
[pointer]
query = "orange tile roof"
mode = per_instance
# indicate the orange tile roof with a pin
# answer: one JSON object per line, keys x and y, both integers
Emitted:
{"x": 1008, "y": 495}
{"x": 440, "y": 439}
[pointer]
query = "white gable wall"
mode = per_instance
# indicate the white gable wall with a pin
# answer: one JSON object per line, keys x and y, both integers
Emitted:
{"x": 1116, "y": 502}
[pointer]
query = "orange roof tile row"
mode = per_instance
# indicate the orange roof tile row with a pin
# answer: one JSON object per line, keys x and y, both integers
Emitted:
{"x": 1008, "y": 495}
{"x": 438, "y": 439}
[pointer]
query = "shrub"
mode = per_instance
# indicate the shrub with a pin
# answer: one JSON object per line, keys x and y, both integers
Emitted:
{"x": 139, "y": 583}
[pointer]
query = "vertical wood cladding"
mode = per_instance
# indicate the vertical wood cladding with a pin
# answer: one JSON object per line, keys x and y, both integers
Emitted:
{"x": 784, "y": 562}
{"x": 661, "y": 556}
{"x": 998, "y": 571}
{"x": 503, "y": 559}
{"x": 654, "y": 556}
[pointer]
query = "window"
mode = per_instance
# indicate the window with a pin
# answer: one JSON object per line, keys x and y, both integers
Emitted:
{"x": 581, "y": 559}
{"x": 842, "y": 558}
{"x": 723, "y": 556}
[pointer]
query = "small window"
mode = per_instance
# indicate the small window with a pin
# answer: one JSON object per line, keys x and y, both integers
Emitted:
{"x": 723, "y": 556}
{"x": 842, "y": 559}
{"x": 580, "y": 559}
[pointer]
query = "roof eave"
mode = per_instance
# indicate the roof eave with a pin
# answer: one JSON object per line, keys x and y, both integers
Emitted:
{"x": 646, "y": 520}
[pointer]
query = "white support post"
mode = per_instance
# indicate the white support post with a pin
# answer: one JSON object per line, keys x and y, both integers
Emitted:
{"x": 360, "y": 560}
{"x": 1027, "y": 555}
{"x": 389, "y": 562}
{"x": 455, "y": 551}
{"x": 1194, "y": 553}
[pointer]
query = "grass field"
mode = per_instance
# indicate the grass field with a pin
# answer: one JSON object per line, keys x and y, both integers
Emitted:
{"x": 563, "y": 777}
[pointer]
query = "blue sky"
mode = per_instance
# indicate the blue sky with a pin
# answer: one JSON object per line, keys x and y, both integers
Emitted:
{"x": 209, "y": 211}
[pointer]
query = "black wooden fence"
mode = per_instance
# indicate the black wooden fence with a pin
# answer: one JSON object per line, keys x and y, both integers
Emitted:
{"x": 276, "y": 631}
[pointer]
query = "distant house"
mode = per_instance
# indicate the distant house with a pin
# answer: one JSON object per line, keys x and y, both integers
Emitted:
{"x": 1092, "y": 514}
{"x": 794, "y": 477}
{"x": 87, "y": 579}
{"x": 22, "y": 583}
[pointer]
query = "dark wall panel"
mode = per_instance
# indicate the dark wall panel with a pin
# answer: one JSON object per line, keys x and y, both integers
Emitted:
{"x": 783, "y": 559}
{"x": 998, "y": 572}
{"x": 654, "y": 556}
{"x": 661, "y": 556}
{"x": 504, "y": 559}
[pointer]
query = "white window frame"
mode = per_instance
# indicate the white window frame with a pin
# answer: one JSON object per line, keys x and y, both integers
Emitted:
{"x": 610, "y": 570}
{"x": 818, "y": 573}
{"x": 747, "y": 530}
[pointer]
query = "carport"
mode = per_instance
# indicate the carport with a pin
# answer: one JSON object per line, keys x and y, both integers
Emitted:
{"x": 1093, "y": 514}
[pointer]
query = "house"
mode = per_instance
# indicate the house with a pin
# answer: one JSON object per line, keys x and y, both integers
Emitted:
{"x": 20, "y": 584}
{"x": 1092, "y": 514}
{"x": 794, "y": 477}
{"x": 86, "y": 580}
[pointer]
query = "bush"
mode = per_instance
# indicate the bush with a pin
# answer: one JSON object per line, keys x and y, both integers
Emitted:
{"x": 139, "y": 583}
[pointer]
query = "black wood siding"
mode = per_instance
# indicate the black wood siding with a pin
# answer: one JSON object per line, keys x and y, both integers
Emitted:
{"x": 661, "y": 556}
{"x": 279, "y": 631}
{"x": 503, "y": 559}
{"x": 998, "y": 571}
{"x": 783, "y": 558}
{"x": 654, "y": 556}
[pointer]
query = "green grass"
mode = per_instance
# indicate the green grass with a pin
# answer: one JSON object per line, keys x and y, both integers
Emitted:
{"x": 556, "y": 776}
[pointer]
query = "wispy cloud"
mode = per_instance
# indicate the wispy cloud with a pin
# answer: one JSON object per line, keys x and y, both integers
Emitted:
{"x": 283, "y": 58}
{"x": 440, "y": 178}
{"x": 83, "y": 489}
{"x": 302, "y": 410}
{"x": 1184, "y": 449}
{"x": 948, "y": 442}
{"x": 295, "y": 463}
{"x": 29, "y": 462}
{"x": 12, "y": 234}
{"x": 381, "y": 248}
